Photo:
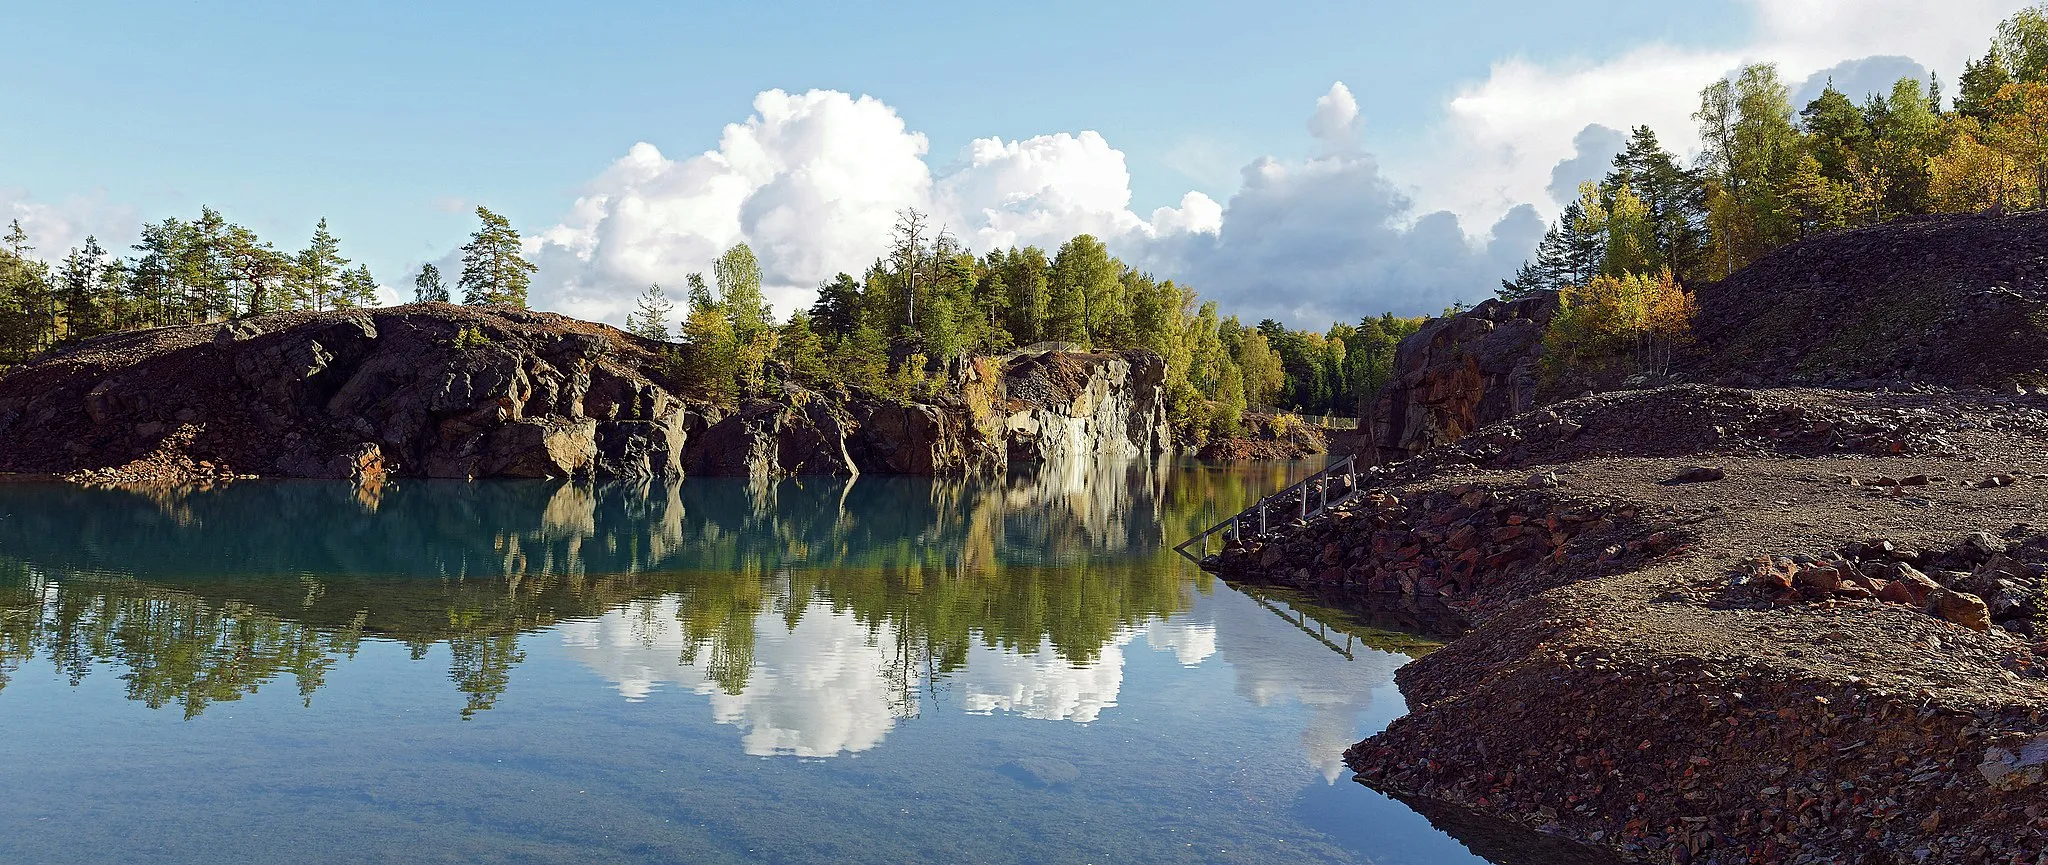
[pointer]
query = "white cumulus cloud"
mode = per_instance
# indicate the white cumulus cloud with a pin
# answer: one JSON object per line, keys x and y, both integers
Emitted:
{"x": 813, "y": 181}
{"x": 54, "y": 229}
{"x": 1500, "y": 137}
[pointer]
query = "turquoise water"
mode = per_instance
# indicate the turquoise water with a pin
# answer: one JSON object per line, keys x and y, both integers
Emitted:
{"x": 892, "y": 670}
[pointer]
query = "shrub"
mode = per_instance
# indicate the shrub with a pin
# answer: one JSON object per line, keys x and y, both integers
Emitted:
{"x": 470, "y": 337}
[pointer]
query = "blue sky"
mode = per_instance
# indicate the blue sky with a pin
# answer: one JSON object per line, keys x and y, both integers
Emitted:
{"x": 393, "y": 119}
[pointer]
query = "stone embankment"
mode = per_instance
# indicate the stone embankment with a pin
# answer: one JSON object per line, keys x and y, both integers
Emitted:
{"x": 436, "y": 390}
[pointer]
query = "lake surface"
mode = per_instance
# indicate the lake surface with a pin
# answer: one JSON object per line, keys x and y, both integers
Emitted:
{"x": 887, "y": 670}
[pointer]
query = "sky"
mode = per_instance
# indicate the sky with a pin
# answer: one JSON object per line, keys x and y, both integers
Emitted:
{"x": 1310, "y": 161}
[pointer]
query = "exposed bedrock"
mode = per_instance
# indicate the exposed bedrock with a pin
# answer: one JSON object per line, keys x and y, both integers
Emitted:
{"x": 1458, "y": 374}
{"x": 438, "y": 390}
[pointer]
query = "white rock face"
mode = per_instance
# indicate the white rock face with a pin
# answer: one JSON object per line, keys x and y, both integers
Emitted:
{"x": 1065, "y": 406}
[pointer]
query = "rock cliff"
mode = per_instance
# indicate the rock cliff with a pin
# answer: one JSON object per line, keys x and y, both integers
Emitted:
{"x": 1061, "y": 405}
{"x": 438, "y": 390}
{"x": 1458, "y": 374}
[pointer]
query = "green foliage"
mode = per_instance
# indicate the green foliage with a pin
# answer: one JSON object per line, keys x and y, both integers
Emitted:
{"x": 1264, "y": 373}
{"x": 711, "y": 367}
{"x": 649, "y": 318}
{"x": 1635, "y": 318}
{"x": 738, "y": 277}
{"x": 493, "y": 271}
{"x": 800, "y": 352}
{"x": 207, "y": 269}
{"x": 428, "y": 287}
{"x": 469, "y": 337}
{"x": 837, "y": 310}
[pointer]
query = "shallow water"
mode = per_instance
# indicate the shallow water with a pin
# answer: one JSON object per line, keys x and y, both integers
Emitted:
{"x": 891, "y": 670}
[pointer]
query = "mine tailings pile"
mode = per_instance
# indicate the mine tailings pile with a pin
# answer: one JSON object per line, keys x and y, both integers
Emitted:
{"x": 1782, "y": 604}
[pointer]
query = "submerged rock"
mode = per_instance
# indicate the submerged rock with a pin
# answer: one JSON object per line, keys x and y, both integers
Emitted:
{"x": 1041, "y": 771}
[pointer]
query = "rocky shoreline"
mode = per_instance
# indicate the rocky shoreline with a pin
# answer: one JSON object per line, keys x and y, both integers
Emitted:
{"x": 1794, "y": 615}
{"x": 1661, "y": 669}
{"x": 445, "y": 391}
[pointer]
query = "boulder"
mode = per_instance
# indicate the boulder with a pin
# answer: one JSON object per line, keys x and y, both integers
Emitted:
{"x": 1458, "y": 374}
{"x": 1961, "y": 608}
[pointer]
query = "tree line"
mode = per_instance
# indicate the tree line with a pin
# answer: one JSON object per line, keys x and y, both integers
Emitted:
{"x": 1769, "y": 174}
{"x": 1621, "y": 255}
{"x": 210, "y": 269}
{"x": 928, "y": 299}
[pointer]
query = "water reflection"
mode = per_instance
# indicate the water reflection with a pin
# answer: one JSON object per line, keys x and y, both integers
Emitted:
{"x": 967, "y": 649}
{"x": 201, "y": 596}
{"x": 813, "y": 615}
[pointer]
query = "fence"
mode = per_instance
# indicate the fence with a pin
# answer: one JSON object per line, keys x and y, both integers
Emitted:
{"x": 1303, "y": 501}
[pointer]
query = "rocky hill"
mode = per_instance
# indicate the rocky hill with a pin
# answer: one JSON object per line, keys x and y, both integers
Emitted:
{"x": 437, "y": 390}
{"x": 1955, "y": 301}
{"x": 1729, "y": 615}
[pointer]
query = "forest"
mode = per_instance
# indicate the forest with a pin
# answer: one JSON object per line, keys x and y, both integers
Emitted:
{"x": 1770, "y": 173}
{"x": 1623, "y": 258}
{"x": 890, "y": 331}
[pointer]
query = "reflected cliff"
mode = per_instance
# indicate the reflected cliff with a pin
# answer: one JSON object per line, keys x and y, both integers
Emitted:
{"x": 814, "y": 615}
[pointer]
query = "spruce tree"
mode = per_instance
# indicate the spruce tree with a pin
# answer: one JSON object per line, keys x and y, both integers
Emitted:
{"x": 80, "y": 282}
{"x": 493, "y": 271}
{"x": 649, "y": 320}
{"x": 316, "y": 282}
{"x": 1979, "y": 84}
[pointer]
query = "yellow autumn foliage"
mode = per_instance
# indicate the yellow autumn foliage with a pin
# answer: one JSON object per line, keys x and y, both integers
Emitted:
{"x": 1641, "y": 318}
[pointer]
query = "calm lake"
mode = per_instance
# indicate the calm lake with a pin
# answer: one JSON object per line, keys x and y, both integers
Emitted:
{"x": 886, "y": 670}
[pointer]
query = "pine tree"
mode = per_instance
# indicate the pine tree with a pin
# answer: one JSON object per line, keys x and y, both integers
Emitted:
{"x": 428, "y": 287}
{"x": 493, "y": 271}
{"x": 258, "y": 274}
{"x": 837, "y": 310}
{"x": 649, "y": 320}
{"x": 317, "y": 280}
{"x": 800, "y": 352}
{"x": 356, "y": 289}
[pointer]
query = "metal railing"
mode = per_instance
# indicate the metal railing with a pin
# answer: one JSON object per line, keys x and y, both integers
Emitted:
{"x": 1305, "y": 500}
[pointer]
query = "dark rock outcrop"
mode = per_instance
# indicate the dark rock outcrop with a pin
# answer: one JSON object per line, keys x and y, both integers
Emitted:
{"x": 1458, "y": 374}
{"x": 1948, "y": 300}
{"x": 438, "y": 390}
{"x": 1957, "y": 301}
{"x": 427, "y": 390}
